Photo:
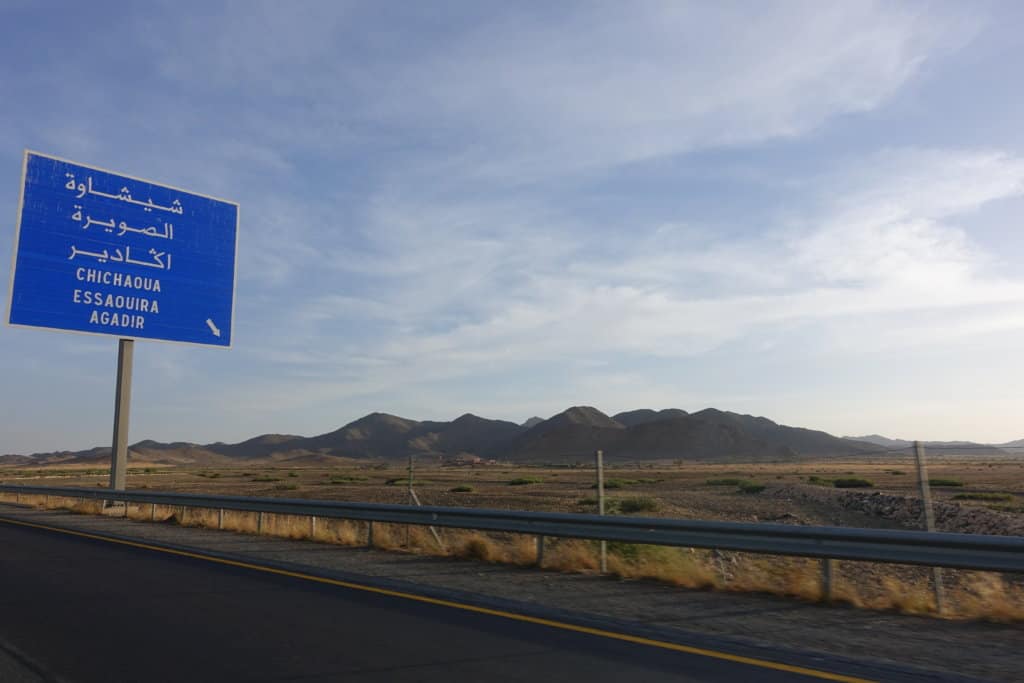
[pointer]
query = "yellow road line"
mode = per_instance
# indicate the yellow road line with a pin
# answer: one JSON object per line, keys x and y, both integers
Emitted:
{"x": 714, "y": 654}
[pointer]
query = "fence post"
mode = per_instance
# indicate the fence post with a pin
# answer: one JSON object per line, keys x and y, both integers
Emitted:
{"x": 220, "y": 519}
{"x": 259, "y": 523}
{"x": 411, "y": 502}
{"x": 540, "y": 551}
{"x": 599, "y": 455}
{"x": 152, "y": 512}
{"x": 369, "y": 534}
{"x": 929, "y": 518}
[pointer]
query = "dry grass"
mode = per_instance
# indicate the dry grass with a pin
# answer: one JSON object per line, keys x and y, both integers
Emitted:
{"x": 989, "y": 596}
{"x": 969, "y": 595}
{"x": 477, "y": 547}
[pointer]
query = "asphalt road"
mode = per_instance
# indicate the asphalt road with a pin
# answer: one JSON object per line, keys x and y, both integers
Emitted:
{"x": 77, "y": 609}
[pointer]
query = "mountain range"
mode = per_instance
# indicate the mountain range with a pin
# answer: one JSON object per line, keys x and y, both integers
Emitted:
{"x": 570, "y": 436}
{"x": 960, "y": 447}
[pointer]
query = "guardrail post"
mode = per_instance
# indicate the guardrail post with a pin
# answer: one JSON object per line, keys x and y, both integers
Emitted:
{"x": 312, "y": 526}
{"x": 599, "y": 455}
{"x": 152, "y": 512}
{"x": 929, "y": 519}
{"x": 828, "y": 568}
{"x": 540, "y": 551}
{"x": 220, "y": 519}
{"x": 369, "y": 534}
{"x": 259, "y": 523}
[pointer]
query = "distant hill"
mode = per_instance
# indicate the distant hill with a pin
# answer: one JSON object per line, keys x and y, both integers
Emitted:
{"x": 944, "y": 447}
{"x": 578, "y": 430}
{"x": 882, "y": 441}
{"x": 673, "y": 434}
{"x": 571, "y": 435}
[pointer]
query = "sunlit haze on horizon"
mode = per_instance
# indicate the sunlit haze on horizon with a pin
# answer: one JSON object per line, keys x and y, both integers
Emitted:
{"x": 806, "y": 211}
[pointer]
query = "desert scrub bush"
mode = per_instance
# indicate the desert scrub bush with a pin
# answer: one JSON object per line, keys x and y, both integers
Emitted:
{"x": 750, "y": 487}
{"x": 1004, "y": 507}
{"x": 461, "y": 489}
{"x": 286, "y": 487}
{"x": 852, "y": 483}
{"x": 293, "y": 474}
{"x": 611, "y": 505}
{"x": 402, "y": 482}
{"x": 264, "y": 479}
{"x": 638, "y": 504}
{"x": 998, "y": 497}
{"x": 897, "y": 472}
{"x": 477, "y": 547}
{"x": 524, "y": 481}
{"x": 728, "y": 481}
{"x": 945, "y": 482}
{"x": 343, "y": 479}
{"x": 617, "y": 483}
{"x": 820, "y": 481}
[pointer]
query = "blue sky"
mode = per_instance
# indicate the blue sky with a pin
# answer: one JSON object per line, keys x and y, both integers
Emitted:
{"x": 808, "y": 211}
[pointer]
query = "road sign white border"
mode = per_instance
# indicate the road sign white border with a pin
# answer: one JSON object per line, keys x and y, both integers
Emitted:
{"x": 17, "y": 238}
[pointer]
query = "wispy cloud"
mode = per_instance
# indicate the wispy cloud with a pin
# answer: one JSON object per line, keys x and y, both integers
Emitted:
{"x": 492, "y": 207}
{"x": 866, "y": 248}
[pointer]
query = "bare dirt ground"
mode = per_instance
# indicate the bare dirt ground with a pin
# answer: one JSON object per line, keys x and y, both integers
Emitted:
{"x": 975, "y": 496}
{"x": 704, "y": 491}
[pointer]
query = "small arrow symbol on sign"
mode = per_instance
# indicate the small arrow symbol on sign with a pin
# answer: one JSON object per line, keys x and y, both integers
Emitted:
{"x": 213, "y": 328}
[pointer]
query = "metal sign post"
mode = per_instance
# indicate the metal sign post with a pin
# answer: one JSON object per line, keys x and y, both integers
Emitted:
{"x": 122, "y": 409}
{"x": 98, "y": 252}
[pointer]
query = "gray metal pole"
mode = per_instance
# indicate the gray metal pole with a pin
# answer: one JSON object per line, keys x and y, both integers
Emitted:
{"x": 929, "y": 518}
{"x": 828, "y": 571}
{"x": 599, "y": 455}
{"x": 540, "y": 551}
{"x": 122, "y": 407}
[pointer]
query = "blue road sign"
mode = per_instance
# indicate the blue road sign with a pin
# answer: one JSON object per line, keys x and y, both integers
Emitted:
{"x": 103, "y": 253}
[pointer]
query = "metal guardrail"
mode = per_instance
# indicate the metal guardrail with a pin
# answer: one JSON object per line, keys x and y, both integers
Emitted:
{"x": 962, "y": 551}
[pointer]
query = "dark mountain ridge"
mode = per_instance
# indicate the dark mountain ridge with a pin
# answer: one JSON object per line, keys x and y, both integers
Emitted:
{"x": 573, "y": 434}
